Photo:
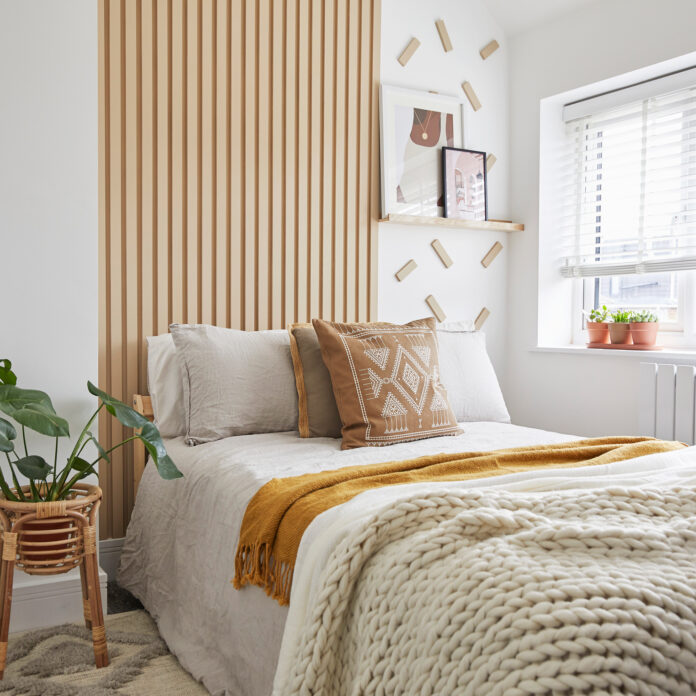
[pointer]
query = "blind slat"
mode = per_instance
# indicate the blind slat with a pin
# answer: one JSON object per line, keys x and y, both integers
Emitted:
{"x": 627, "y": 188}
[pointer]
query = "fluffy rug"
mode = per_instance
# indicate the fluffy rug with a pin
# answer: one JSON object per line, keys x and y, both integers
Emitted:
{"x": 59, "y": 662}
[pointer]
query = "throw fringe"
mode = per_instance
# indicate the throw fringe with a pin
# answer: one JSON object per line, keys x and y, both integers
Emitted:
{"x": 255, "y": 565}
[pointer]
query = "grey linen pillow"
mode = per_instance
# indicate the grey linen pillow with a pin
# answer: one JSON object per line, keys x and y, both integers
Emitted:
{"x": 235, "y": 382}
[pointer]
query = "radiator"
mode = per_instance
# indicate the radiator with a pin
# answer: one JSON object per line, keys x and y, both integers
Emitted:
{"x": 667, "y": 405}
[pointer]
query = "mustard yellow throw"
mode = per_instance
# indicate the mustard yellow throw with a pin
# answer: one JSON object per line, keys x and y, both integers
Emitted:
{"x": 279, "y": 513}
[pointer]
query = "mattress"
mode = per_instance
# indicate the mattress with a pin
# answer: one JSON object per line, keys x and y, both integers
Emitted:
{"x": 178, "y": 555}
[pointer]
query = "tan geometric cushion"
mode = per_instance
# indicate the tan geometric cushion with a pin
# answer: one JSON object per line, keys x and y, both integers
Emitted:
{"x": 317, "y": 412}
{"x": 386, "y": 380}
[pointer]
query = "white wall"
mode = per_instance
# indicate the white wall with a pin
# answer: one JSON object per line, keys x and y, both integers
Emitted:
{"x": 583, "y": 394}
{"x": 49, "y": 199}
{"x": 465, "y": 287}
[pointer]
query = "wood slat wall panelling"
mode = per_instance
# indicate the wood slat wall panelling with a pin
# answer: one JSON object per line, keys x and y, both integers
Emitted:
{"x": 238, "y": 178}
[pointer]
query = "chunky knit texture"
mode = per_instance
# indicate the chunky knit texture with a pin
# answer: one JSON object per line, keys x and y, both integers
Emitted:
{"x": 510, "y": 595}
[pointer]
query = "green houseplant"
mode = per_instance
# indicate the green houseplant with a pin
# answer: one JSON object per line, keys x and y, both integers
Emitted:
{"x": 644, "y": 327}
{"x": 597, "y": 327}
{"x": 32, "y": 409}
{"x": 619, "y": 329}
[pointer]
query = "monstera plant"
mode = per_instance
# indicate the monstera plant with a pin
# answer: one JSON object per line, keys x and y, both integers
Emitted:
{"x": 32, "y": 409}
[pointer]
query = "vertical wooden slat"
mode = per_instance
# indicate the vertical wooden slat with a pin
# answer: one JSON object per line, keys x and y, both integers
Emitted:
{"x": 351, "y": 172}
{"x": 339, "y": 202}
{"x": 275, "y": 171}
{"x": 192, "y": 166}
{"x": 221, "y": 145}
{"x": 315, "y": 128}
{"x": 163, "y": 153}
{"x": 250, "y": 163}
{"x": 263, "y": 184}
{"x": 104, "y": 43}
{"x": 238, "y": 177}
{"x": 289, "y": 162}
{"x": 327, "y": 164}
{"x": 207, "y": 190}
{"x": 118, "y": 197}
{"x": 234, "y": 116}
{"x": 363, "y": 182}
{"x": 177, "y": 163}
{"x": 303, "y": 159}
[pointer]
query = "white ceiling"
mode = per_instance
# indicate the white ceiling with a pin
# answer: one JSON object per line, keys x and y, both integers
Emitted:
{"x": 516, "y": 16}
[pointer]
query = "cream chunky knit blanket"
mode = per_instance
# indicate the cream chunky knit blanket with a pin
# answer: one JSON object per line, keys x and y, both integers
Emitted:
{"x": 511, "y": 594}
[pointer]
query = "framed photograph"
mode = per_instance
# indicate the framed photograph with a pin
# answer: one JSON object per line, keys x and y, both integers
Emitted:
{"x": 415, "y": 126}
{"x": 464, "y": 177}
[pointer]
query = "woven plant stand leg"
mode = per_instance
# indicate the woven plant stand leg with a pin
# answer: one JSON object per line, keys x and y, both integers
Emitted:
{"x": 101, "y": 655}
{"x": 85, "y": 596}
{"x": 9, "y": 555}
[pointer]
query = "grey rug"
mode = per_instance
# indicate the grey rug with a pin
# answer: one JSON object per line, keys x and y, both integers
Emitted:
{"x": 59, "y": 662}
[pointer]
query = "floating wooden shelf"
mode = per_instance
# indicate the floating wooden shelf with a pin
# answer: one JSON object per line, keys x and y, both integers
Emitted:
{"x": 454, "y": 222}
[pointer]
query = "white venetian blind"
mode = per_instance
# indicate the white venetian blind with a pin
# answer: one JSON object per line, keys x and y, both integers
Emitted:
{"x": 628, "y": 182}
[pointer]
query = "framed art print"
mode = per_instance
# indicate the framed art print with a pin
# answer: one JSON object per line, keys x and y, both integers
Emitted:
{"x": 464, "y": 178}
{"x": 414, "y": 127}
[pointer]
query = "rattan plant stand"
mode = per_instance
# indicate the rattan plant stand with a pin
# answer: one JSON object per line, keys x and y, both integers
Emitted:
{"x": 51, "y": 538}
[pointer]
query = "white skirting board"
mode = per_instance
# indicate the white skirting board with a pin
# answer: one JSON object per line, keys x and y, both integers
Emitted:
{"x": 110, "y": 555}
{"x": 38, "y": 602}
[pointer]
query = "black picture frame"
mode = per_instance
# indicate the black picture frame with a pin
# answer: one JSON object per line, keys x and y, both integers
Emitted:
{"x": 447, "y": 180}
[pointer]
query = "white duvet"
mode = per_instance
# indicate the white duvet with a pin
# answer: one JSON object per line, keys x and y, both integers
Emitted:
{"x": 178, "y": 556}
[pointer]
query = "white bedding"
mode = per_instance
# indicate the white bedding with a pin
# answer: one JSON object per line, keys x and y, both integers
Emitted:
{"x": 178, "y": 556}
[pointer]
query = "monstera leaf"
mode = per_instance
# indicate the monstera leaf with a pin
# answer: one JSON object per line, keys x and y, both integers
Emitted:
{"x": 147, "y": 432}
{"x": 12, "y": 399}
{"x": 33, "y": 467}
{"x": 6, "y": 374}
{"x": 42, "y": 419}
{"x": 7, "y": 434}
{"x": 125, "y": 414}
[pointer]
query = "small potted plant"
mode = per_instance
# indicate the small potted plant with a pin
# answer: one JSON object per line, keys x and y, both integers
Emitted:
{"x": 597, "y": 326}
{"x": 644, "y": 327}
{"x": 619, "y": 328}
{"x": 32, "y": 409}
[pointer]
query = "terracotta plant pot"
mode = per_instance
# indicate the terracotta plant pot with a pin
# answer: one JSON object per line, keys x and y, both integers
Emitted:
{"x": 598, "y": 332}
{"x": 620, "y": 334}
{"x": 644, "y": 333}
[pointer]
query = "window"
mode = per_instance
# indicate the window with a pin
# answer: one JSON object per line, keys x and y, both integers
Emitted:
{"x": 628, "y": 199}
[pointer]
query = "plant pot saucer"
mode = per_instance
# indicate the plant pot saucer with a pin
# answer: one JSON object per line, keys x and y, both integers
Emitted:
{"x": 623, "y": 346}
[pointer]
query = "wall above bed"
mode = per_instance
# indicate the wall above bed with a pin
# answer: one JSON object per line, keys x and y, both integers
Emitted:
{"x": 238, "y": 176}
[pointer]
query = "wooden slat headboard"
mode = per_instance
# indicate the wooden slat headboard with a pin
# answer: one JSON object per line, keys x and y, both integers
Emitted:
{"x": 239, "y": 179}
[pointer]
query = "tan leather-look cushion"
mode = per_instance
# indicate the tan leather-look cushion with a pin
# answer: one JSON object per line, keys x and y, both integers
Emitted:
{"x": 317, "y": 412}
{"x": 386, "y": 381}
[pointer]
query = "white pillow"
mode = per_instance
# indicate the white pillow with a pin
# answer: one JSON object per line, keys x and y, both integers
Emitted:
{"x": 235, "y": 382}
{"x": 468, "y": 376}
{"x": 165, "y": 384}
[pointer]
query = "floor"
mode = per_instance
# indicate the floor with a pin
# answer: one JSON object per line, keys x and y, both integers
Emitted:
{"x": 119, "y": 600}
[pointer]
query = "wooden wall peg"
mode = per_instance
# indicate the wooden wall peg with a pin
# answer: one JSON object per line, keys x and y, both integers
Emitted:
{"x": 490, "y": 161}
{"x": 440, "y": 251}
{"x": 435, "y": 308}
{"x": 489, "y": 48}
{"x": 471, "y": 96}
{"x": 408, "y": 52}
{"x": 487, "y": 260}
{"x": 481, "y": 318}
{"x": 444, "y": 36}
{"x": 407, "y": 268}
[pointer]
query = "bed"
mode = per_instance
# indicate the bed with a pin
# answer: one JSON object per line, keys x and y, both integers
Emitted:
{"x": 376, "y": 575}
{"x": 178, "y": 556}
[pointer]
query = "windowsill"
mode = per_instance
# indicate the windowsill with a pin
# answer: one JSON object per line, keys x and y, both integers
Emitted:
{"x": 671, "y": 353}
